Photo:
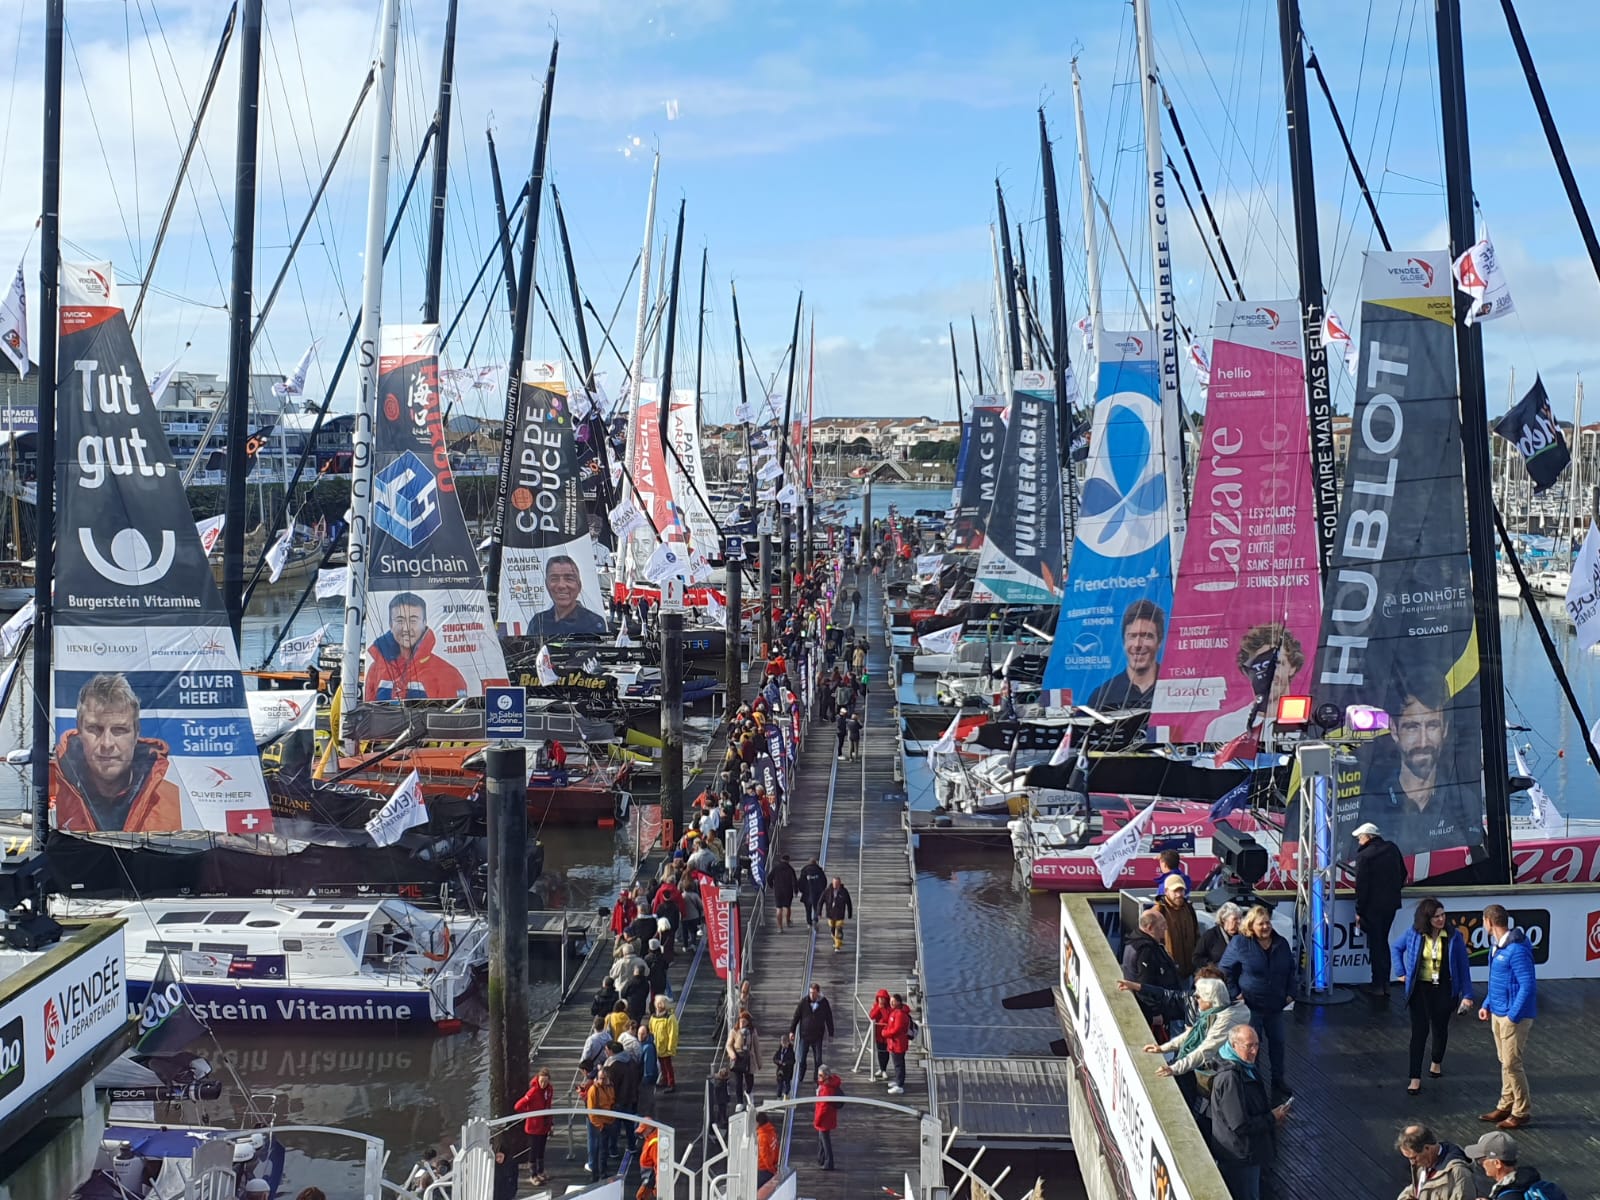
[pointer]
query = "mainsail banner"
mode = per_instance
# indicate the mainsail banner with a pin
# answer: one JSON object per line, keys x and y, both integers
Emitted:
{"x": 1022, "y": 552}
{"x": 1107, "y": 649}
{"x": 1249, "y": 594}
{"x": 549, "y": 585}
{"x": 148, "y": 698}
{"x": 428, "y": 631}
{"x": 688, "y": 475}
{"x": 985, "y": 442}
{"x": 1397, "y": 624}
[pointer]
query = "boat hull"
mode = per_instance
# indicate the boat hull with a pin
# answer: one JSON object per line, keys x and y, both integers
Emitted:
{"x": 309, "y": 1009}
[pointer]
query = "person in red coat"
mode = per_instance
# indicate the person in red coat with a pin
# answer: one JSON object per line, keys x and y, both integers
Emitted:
{"x": 623, "y": 913}
{"x": 878, "y": 1015}
{"x": 826, "y": 1118}
{"x": 541, "y": 1094}
{"x": 897, "y": 1037}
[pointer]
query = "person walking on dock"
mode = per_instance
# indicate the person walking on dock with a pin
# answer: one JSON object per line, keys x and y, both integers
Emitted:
{"x": 879, "y": 1016}
{"x": 783, "y": 1062}
{"x": 1439, "y": 1170}
{"x": 1510, "y": 1007}
{"x": 605, "y": 1000}
{"x": 743, "y": 1049}
{"x": 541, "y": 1094}
{"x": 655, "y": 962}
{"x": 897, "y": 1036}
{"x": 855, "y": 737}
{"x": 1244, "y": 1126}
{"x": 837, "y": 906}
{"x": 841, "y": 726}
{"x": 783, "y": 882}
{"x": 1432, "y": 963}
{"x": 812, "y": 1025}
{"x": 664, "y": 1028}
{"x": 813, "y": 882}
{"x": 594, "y": 1047}
{"x": 599, "y": 1094}
{"x": 826, "y": 1118}
{"x": 1380, "y": 875}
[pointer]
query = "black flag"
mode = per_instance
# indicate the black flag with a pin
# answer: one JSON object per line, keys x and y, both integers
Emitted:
{"x": 1532, "y": 430}
{"x": 167, "y": 1023}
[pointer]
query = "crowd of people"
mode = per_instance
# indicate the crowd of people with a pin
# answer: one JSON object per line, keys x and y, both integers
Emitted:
{"x": 1216, "y": 1001}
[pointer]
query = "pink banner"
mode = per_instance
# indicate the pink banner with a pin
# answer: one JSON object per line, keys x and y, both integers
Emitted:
{"x": 716, "y": 905}
{"x": 649, "y": 465}
{"x": 1248, "y": 602}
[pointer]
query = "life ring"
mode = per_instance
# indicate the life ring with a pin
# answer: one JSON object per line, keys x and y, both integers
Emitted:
{"x": 432, "y": 957}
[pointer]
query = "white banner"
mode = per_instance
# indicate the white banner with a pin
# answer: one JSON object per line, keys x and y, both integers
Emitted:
{"x": 158, "y": 385}
{"x": 1063, "y": 751}
{"x": 296, "y": 653}
{"x": 332, "y": 581}
{"x": 546, "y": 667}
{"x": 402, "y": 811}
{"x": 1336, "y": 339}
{"x": 14, "y": 324}
{"x": 1116, "y": 850}
{"x": 1478, "y": 274}
{"x": 11, "y": 632}
{"x": 274, "y": 713}
{"x": 278, "y": 555}
{"x": 788, "y": 494}
{"x": 943, "y": 641}
{"x": 947, "y": 602}
{"x": 296, "y": 383}
{"x": 744, "y": 412}
{"x": 203, "y": 964}
{"x": 947, "y": 740}
{"x": 769, "y": 471}
{"x": 626, "y": 520}
{"x": 210, "y": 530}
{"x": 929, "y": 564}
{"x": 667, "y": 560}
{"x": 1583, "y": 593}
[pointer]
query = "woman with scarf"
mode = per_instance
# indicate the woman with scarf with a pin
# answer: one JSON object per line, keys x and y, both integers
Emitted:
{"x": 1199, "y": 1047}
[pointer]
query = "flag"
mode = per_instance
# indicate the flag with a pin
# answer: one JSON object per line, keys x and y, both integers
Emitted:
{"x": 1233, "y": 800}
{"x": 1063, "y": 751}
{"x": 1336, "y": 339}
{"x": 546, "y": 668}
{"x": 1088, "y": 336}
{"x": 947, "y": 740}
{"x": 278, "y": 555}
{"x": 1005, "y": 667}
{"x": 402, "y": 811}
{"x": 769, "y": 471}
{"x": 623, "y": 640}
{"x": 14, "y": 324}
{"x": 943, "y": 641}
{"x": 1121, "y": 846}
{"x": 1583, "y": 593}
{"x": 744, "y": 412}
{"x": 626, "y": 518}
{"x": 1532, "y": 429}
{"x": 1478, "y": 274}
{"x": 11, "y": 632}
{"x": 947, "y": 602}
{"x": 1545, "y": 815}
{"x": 668, "y": 559}
{"x": 297, "y": 653}
{"x": 158, "y": 385}
{"x": 332, "y": 581}
{"x": 929, "y": 564}
{"x": 296, "y": 383}
{"x": 210, "y": 530}
{"x": 788, "y": 494}
{"x": 1201, "y": 362}
{"x": 716, "y": 611}
{"x": 1245, "y": 746}
{"x": 167, "y": 1023}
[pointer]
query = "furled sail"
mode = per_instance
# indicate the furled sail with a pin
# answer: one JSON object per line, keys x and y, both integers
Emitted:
{"x": 149, "y": 701}
{"x": 980, "y": 452}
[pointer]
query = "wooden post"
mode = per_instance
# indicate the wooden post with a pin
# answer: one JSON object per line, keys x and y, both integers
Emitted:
{"x": 506, "y": 788}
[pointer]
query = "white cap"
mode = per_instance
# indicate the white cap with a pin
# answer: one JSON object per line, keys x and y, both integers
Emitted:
{"x": 1367, "y": 830}
{"x": 257, "y": 1187}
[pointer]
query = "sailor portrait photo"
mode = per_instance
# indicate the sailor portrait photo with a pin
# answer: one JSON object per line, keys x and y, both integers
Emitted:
{"x": 105, "y": 775}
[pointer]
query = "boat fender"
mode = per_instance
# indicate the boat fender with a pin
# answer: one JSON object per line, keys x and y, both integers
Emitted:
{"x": 432, "y": 957}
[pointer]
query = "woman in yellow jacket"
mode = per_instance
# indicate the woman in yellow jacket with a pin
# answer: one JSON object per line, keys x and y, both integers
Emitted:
{"x": 664, "y": 1028}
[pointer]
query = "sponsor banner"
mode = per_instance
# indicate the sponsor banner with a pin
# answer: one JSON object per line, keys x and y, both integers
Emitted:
{"x": 1120, "y": 1078}
{"x": 1248, "y": 602}
{"x": 717, "y": 902}
{"x": 404, "y": 810}
{"x": 200, "y": 964}
{"x": 299, "y": 652}
{"x": 274, "y": 714}
{"x": 1022, "y": 549}
{"x": 230, "y": 1002}
{"x": 50, "y": 1025}
{"x": 1478, "y": 273}
{"x": 1532, "y": 429}
{"x": 982, "y": 448}
{"x": 145, "y": 667}
{"x": 549, "y": 585}
{"x": 688, "y": 473}
{"x": 428, "y": 632}
{"x": 1397, "y": 623}
{"x": 1107, "y": 649}
{"x": 332, "y": 581}
{"x": 649, "y": 461}
{"x": 1583, "y": 592}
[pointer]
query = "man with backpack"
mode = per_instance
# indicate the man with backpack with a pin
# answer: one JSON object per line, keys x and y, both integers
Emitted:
{"x": 1497, "y": 1153}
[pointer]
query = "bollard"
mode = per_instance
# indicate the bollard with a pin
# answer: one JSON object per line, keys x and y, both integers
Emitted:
{"x": 505, "y": 775}
{"x": 733, "y": 649}
{"x": 672, "y": 717}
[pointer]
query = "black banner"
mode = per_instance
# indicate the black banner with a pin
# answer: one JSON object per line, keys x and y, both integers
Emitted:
{"x": 985, "y": 441}
{"x": 1532, "y": 429}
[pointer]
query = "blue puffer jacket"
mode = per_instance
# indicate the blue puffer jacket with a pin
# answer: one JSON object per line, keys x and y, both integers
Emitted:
{"x": 1265, "y": 978}
{"x": 1407, "y": 956}
{"x": 1511, "y": 980}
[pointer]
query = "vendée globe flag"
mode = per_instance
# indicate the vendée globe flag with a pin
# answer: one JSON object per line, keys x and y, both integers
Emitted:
{"x": 1121, "y": 846}
{"x": 1532, "y": 429}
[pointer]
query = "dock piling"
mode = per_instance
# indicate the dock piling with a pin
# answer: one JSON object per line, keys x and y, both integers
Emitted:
{"x": 506, "y": 789}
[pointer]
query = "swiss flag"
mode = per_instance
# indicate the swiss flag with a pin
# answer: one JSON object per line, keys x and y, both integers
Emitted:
{"x": 249, "y": 820}
{"x": 1246, "y": 745}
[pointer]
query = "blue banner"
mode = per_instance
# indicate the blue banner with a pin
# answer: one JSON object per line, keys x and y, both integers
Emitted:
{"x": 755, "y": 840}
{"x": 1108, "y": 644}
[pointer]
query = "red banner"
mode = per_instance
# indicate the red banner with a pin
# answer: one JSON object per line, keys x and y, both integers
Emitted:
{"x": 695, "y": 597}
{"x": 716, "y": 913}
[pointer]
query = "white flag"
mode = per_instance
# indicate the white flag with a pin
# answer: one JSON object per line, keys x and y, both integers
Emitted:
{"x": 1074, "y": 392}
{"x": 1121, "y": 846}
{"x": 699, "y": 567}
{"x": 210, "y": 530}
{"x": 546, "y": 667}
{"x": 278, "y": 555}
{"x": 1545, "y": 815}
{"x": 788, "y": 494}
{"x": 332, "y": 581}
{"x": 1005, "y": 667}
{"x": 274, "y": 713}
{"x": 668, "y": 559}
{"x": 1583, "y": 593}
{"x": 1064, "y": 750}
{"x": 1478, "y": 274}
{"x": 1088, "y": 336}
{"x": 769, "y": 471}
{"x": 716, "y": 611}
{"x": 943, "y": 641}
{"x": 11, "y": 632}
{"x": 1336, "y": 339}
{"x": 299, "y": 652}
{"x": 296, "y": 383}
{"x": 742, "y": 463}
{"x": 626, "y": 519}
{"x": 623, "y": 640}
{"x": 744, "y": 412}
{"x": 947, "y": 602}
{"x": 947, "y": 740}
{"x": 929, "y": 564}
{"x": 1201, "y": 362}
{"x": 403, "y": 810}
{"x": 158, "y": 385}
{"x": 14, "y": 324}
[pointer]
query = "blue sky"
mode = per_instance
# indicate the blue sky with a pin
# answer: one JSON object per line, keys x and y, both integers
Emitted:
{"x": 845, "y": 148}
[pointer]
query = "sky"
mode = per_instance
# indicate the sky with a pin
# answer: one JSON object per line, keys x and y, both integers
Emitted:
{"x": 840, "y": 149}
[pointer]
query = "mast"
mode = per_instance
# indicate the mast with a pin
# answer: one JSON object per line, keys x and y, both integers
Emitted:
{"x": 1166, "y": 330}
{"x": 240, "y": 305}
{"x": 955, "y": 374}
{"x": 508, "y": 266}
{"x": 642, "y": 318}
{"x": 441, "y": 170}
{"x": 355, "y": 605}
{"x": 44, "y": 550}
{"x": 669, "y": 345}
{"x": 1575, "y": 502}
{"x": 1008, "y": 268}
{"x": 764, "y": 543}
{"x": 786, "y": 584}
{"x": 977, "y": 357}
{"x": 1019, "y": 286}
{"x": 1061, "y": 359}
{"x": 1091, "y": 247}
{"x": 1002, "y": 343}
{"x": 700, "y": 340}
{"x": 521, "y": 323}
{"x": 1475, "y": 444}
{"x": 1319, "y": 399}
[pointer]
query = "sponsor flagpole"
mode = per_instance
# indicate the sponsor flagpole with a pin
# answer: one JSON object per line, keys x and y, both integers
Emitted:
{"x": 355, "y": 607}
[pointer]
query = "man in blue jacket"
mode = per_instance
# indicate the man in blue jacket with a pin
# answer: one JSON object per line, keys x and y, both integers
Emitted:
{"x": 1509, "y": 1007}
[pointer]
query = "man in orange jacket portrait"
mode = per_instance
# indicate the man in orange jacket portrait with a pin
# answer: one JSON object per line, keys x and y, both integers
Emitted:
{"x": 105, "y": 776}
{"x": 406, "y": 664}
